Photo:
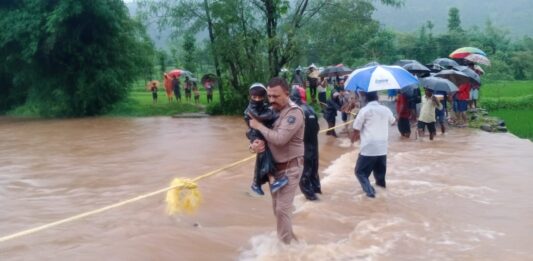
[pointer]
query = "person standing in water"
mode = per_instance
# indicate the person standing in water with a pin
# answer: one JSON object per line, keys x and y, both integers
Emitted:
{"x": 285, "y": 141}
{"x": 310, "y": 181}
{"x": 371, "y": 126}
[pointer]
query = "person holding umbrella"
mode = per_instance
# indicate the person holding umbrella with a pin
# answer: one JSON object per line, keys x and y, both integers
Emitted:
{"x": 371, "y": 125}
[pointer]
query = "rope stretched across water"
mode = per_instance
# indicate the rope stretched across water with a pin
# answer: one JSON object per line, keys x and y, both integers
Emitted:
{"x": 187, "y": 184}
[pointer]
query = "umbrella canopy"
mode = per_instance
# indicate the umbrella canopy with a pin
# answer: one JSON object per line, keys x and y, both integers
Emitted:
{"x": 380, "y": 77}
{"x": 433, "y": 67}
{"x": 332, "y": 71}
{"x": 404, "y": 62}
{"x": 409, "y": 90}
{"x": 439, "y": 84}
{"x": 465, "y": 51}
{"x": 479, "y": 70}
{"x": 445, "y": 62}
{"x": 478, "y": 58}
{"x": 208, "y": 77}
{"x": 417, "y": 68}
{"x": 454, "y": 76}
{"x": 474, "y": 77}
{"x": 151, "y": 83}
{"x": 178, "y": 73}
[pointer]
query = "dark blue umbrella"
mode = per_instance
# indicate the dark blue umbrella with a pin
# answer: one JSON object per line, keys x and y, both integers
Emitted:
{"x": 439, "y": 84}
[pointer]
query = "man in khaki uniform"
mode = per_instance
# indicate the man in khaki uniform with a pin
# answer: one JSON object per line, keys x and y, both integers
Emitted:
{"x": 285, "y": 141}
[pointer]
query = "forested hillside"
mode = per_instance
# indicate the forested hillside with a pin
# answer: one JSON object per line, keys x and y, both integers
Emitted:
{"x": 515, "y": 15}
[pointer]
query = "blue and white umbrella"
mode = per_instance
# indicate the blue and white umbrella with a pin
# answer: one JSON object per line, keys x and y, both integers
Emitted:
{"x": 380, "y": 77}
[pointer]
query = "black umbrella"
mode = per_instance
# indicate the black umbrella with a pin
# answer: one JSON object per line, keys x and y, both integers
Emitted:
{"x": 454, "y": 76}
{"x": 435, "y": 67}
{"x": 209, "y": 77}
{"x": 417, "y": 68}
{"x": 446, "y": 62}
{"x": 471, "y": 73}
{"x": 404, "y": 62}
{"x": 439, "y": 84}
{"x": 410, "y": 89}
{"x": 334, "y": 71}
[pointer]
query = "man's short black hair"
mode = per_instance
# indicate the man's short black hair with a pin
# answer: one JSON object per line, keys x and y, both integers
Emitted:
{"x": 371, "y": 96}
{"x": 279, "y": 81}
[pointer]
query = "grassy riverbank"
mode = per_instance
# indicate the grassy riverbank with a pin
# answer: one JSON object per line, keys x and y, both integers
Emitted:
{"x": 139, "y": 103}
{"x": 511, "y": 101}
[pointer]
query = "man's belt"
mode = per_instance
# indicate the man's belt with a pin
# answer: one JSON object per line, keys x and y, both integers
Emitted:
{"x": 285, "y": 165}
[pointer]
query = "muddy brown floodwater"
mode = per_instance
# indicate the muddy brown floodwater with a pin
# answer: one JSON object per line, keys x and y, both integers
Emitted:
{"x": 465, "y": 196}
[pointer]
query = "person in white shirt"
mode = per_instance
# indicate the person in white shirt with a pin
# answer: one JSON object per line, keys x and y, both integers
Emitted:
{"x": 371, "y": 126}
{"x": 427, "y": 114}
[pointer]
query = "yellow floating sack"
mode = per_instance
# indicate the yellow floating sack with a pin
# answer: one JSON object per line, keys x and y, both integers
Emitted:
{"x": 183, "y": 197}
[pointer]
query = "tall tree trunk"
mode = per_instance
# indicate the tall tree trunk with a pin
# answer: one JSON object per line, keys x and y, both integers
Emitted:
{"x": 273, "y": 42}
{"x": 214, "y": 52}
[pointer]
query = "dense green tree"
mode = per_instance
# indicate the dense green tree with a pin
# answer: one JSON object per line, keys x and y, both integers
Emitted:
{"x": 454, "y": 20}
{"x": 67, "y": 57}
{"x": 189, "y": 52}
{"x": 345, "y": 32}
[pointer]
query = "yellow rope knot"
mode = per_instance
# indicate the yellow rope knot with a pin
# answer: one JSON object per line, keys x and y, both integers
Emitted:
{"x": 183, "y": 196}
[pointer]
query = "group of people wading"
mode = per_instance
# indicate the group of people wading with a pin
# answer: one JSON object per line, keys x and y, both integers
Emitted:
{"x": 284, "y": 135}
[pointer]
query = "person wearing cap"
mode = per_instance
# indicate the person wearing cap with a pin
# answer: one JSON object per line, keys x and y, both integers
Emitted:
{"x": 264, "y": 163}
{"x": 312, "y": 78}
{"x": 298, "y": 79}
{"x": 371, "y": 126}
{"x": 285, "y": 140}
{"x": 427, "y": 114}
{"x": 310, "y": 181}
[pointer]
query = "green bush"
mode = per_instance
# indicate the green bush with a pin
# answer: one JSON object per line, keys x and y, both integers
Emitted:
{"x": 234, "y": 104}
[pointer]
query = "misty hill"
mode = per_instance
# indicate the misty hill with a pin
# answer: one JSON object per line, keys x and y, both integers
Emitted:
{"x": 515, "y": 16}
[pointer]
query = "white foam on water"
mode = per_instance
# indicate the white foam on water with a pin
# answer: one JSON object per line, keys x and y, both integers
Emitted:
{"x": 341, "y": 169}
{"x": 368, "y": 240}
{"x": 263, "y": 247}
{"x": 409, "y": 188}
{"x": 345, "y": 143}
{"x": 489, "y": 234}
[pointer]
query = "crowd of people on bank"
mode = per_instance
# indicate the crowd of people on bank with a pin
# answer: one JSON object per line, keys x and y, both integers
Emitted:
{"x": 283, "y": 131}
{"x": 173, "y": 89}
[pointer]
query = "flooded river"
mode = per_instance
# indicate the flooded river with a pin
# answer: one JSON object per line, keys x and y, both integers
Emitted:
{"x": 465, "y": 196}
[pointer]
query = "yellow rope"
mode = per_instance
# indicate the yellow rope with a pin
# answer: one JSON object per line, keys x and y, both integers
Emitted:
{"x": 190, "y": 184}
{"x": 116, "y": 205}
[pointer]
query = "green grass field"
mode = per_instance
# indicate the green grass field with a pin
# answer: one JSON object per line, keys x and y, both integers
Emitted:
{"x": 519, "y": 122}
{"x": 506, "y": 89}
{"x": 511, "y": 101}
{"x": 139, "y": 104}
